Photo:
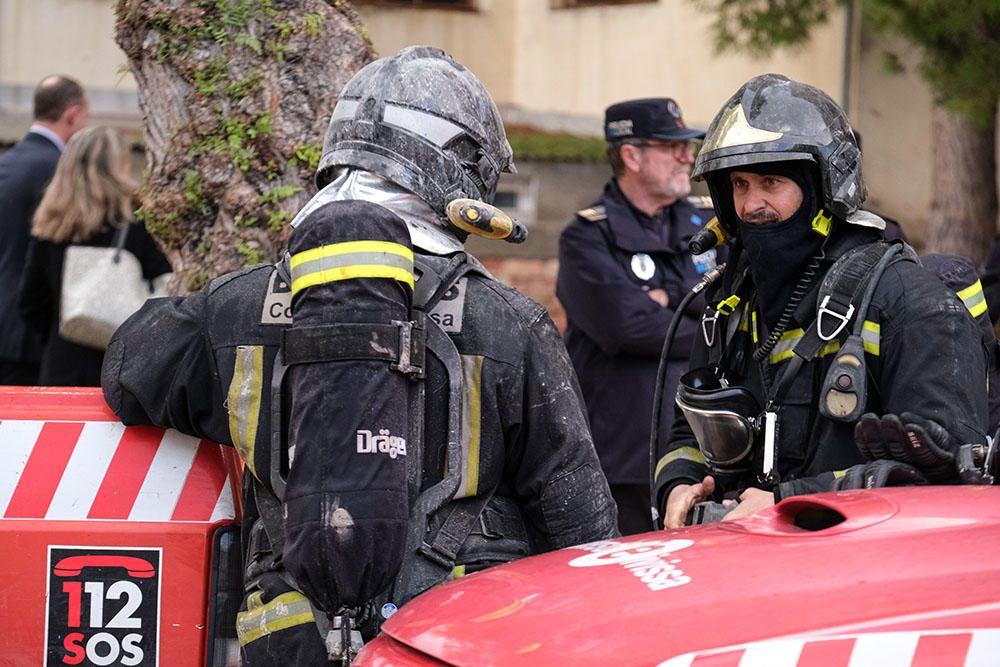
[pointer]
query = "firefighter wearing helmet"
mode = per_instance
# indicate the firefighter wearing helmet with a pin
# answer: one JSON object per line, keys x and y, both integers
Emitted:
{"x": 822, "y": 346}
{"x": 404, "y": 417}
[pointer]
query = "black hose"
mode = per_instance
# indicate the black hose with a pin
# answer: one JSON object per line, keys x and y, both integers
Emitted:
{"x": 661, "y": 374}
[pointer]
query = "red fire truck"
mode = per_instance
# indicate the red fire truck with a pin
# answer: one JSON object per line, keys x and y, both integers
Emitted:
{"x": 121, "y": 547}
{"x": 901, "y": 577}
{"x": 120, "y": 544}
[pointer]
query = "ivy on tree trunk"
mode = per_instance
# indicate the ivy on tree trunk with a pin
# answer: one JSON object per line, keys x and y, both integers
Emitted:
{"x": 236, "y": 96}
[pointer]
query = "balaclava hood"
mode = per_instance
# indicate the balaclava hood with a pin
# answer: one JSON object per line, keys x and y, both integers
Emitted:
{"x": 780, "y": 251}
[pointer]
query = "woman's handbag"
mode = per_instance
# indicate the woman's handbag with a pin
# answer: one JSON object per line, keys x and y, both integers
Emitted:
{"x": 101, "y": 288}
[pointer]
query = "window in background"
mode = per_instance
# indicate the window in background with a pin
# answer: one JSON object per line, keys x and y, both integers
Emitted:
{"x": 465, "y": 5}
{"x": 572, "y": 4}
{"x": 517, "y": 195}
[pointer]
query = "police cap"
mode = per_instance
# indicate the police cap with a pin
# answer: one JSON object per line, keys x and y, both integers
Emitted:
{"x": 650, "y": 118}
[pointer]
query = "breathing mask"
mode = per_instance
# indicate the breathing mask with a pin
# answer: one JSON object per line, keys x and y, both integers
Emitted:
{"x": 726, "y": 420}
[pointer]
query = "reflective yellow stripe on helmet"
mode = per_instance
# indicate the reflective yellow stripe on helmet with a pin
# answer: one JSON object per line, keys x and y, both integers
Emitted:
{"x": 353, "y": 259}
{"x": 243, "y": 402}
{"x": 680, "y": 454}
{"x": 974, "y": 298}
{"x": 285, "y": 611}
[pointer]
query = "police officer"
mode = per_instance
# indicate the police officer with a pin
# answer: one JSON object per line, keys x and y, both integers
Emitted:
{"x": 404, "y": 417}
{"x": 623, "y": 268}
{"x": 810, "y": 362}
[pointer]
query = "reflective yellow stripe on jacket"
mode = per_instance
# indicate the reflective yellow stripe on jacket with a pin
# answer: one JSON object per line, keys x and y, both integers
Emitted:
{"x": 974, "y": 298}
{"x": 871, "y": 334}
{"x": 353, "y": 259}
{"x": 472, "y": 371}
{"x": 243, "y": 401}
{"x": 263, "y": 618}
{"x": 783, "y": 349}
{"x": 680, "y": 454}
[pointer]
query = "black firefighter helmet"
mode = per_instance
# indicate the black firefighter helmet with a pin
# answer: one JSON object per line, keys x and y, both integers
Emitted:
{"x": 774, "y": 119}
{"x": 423, "y": 121}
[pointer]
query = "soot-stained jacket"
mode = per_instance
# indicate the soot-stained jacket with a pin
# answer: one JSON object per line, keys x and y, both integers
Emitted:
{"x": 924, "y": 352}
{"x": 204, "y": 364}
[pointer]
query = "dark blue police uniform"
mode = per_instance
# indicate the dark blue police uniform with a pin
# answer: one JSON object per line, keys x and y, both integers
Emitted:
{"x": 610, "y": 256}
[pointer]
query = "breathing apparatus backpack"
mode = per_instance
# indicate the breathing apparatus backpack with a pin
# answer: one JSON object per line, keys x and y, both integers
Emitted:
{"x": 347, "y": 413}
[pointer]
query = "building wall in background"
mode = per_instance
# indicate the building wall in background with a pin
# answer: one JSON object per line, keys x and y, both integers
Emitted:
{"x": 558, "y": 68}
{"x": 548, "y": 67}
{"x": 72, "y": 37}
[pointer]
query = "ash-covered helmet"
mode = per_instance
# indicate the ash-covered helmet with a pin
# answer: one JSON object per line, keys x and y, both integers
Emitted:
{"x": 423, "y": 121}
{"x": 774, "y": 119}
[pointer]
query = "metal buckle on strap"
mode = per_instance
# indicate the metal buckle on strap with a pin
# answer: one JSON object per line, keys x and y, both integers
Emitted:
{"x": 437, "y": 555}
{"x": 411, "y": 348}
{"x": 842, "y": 319}
{"x": 709, "y": 332}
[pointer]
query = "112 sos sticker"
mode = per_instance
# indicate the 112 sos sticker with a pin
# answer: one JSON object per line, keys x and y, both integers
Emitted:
{"x": 103, "y": 606}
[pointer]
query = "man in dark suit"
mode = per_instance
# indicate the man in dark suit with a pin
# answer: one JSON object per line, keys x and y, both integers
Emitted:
{"x": 60, "y": 110}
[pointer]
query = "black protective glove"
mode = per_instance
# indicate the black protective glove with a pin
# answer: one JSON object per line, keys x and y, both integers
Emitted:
{"x": 908, "y": 438}
{"x": 880, "y": 473}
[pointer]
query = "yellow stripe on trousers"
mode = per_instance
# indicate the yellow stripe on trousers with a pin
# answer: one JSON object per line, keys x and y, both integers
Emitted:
{"x": 260, "y": 619}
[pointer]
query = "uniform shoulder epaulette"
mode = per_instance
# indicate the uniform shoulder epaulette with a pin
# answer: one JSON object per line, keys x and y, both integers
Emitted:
{"x": 700, "y": 201}
{"x": 593, "y": 214}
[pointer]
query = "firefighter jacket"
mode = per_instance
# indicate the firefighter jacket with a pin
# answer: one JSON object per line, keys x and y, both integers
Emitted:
{"x": 610, "y": 257}
{"x": 925, "y": 354}
{"x": 208, "y": 365}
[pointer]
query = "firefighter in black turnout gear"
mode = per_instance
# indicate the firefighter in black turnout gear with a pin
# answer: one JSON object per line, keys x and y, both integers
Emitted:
{"x": 822, "y": 345}
{"x": 404, "y": 417}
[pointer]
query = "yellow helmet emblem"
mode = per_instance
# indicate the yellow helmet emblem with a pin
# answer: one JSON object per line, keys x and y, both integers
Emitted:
{"x": 735, "y": 130}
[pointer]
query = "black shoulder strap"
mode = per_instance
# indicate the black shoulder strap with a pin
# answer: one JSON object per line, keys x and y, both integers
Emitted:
{"x": 843, "y": 298}
{"x": 845, "y": 294}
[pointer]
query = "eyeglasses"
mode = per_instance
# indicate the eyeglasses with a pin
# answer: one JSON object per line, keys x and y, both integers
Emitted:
{"x": 676, "y": 148}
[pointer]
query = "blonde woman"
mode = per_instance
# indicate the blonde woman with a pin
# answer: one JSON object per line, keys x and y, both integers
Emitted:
{"x": 91, "y": 196}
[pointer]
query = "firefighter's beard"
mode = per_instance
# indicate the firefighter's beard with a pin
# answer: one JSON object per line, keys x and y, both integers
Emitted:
{"x": 761, "y": 216}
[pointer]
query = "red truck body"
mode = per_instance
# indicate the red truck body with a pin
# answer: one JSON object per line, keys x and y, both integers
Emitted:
{"x": 120, "y": 544}
{"x": 121, "y": 547}
{"x": 881, "y": 578}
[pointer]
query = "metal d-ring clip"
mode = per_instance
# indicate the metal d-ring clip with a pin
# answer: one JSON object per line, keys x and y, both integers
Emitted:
{"x": 709, "y": 332}
{"x": 842, "y": 320}
{"x": 990, "y": 458}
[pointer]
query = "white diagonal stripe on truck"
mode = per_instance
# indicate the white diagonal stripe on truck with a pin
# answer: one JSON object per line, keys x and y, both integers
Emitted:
{"x": 85, "y": 471}
{"x": 17, "y": 439}
{"x": 165, "y": 478}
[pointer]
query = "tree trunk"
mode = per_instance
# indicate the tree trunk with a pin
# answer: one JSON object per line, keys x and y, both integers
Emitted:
{"x": 236, "y": 96}
{"x": 963, "y": 217}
